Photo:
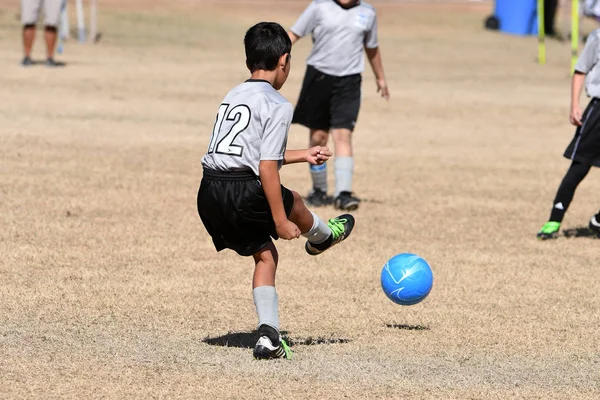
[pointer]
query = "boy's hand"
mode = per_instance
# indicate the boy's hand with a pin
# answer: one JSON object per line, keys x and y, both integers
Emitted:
{"x": 575, "y": 116}
{"x": 318, "y": 155}
{"x": 287, "y": 230}
{"x": 382, "y": 88}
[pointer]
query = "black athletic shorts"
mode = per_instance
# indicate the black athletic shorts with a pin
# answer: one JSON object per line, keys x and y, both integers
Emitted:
{"x": 328, "y": 101}
{"x": 585, "y": 146}
{"x": 235, "y": 211}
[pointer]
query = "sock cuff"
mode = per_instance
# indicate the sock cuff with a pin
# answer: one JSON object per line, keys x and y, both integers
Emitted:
{"x": 346, "y": 163}
{"x": 318, "y": 168}
{"x": 261, "y": 292}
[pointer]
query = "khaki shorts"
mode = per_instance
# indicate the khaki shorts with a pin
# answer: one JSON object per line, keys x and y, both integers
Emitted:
{"x": 30, "y": 11}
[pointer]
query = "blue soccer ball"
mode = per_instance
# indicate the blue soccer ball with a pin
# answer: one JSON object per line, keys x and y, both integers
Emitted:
{"x": 406, "y": 279}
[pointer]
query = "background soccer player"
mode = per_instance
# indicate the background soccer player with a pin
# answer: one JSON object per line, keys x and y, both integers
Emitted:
{"x": 330, "y": 97}
{"x": 584, "y": 149}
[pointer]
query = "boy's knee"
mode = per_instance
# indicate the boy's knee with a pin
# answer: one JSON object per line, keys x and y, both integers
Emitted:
{"x": 342, "y": 135}
{"x": 297, "y": 199}
{"x": 319, "y": 138}
{"x": 267, "y": 254}
{"x": 299, "y": 205}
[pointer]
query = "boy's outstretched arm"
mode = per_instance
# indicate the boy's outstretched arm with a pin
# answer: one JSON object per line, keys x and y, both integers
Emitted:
{"x": 315, "y": 155}
{"x": 374, "y": 56}
{"x": 576, "y": 87}
{"x": 271, "y": 184}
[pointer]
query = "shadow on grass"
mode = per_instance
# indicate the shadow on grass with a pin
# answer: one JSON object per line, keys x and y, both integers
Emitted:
{"x": 247, "y": 340}
{"x": 582, "y": 231}
{"x": 407, "y": 327}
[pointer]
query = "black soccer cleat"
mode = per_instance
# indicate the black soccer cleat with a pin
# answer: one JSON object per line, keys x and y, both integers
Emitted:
{"x": 346, "y": 201}
{"x": 318, "y": 198}
{"x": 594, "y": 226}
{"x": 341, "y": 227}
{"x": 270, "y": 345}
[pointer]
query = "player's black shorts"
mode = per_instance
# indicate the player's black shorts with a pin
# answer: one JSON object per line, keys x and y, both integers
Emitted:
{"x": 585, "y": 146}
{"x": 328, "y": 101}
{"x": 235, "y": 211}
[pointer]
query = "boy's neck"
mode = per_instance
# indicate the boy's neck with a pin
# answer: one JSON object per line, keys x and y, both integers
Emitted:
{"x": 264, "y": 75}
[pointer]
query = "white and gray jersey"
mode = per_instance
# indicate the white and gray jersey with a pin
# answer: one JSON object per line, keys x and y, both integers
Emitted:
{"x": 588, "y": 64}
{"x": 252, "y": 125}
{"x": 339, "y": 36}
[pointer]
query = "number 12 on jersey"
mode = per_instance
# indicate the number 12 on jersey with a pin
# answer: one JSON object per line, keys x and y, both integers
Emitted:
{"x": 222, "y": 143}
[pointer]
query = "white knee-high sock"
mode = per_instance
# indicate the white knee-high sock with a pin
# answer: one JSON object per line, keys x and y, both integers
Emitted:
{"x": 344, "y": 170}
{"x": 319, "y": 232}
{"x": 267, "y": 306}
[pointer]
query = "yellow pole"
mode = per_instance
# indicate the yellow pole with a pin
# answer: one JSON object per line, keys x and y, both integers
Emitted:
{"x": 574, "y": 33}
{"x": 541, "y": 32}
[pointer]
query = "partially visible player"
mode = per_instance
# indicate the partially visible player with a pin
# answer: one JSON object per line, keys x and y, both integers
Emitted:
{"x": 30, "y": 10}
{"x": 330, "y": 97}
{"x": 241, "y": 200}
{"x": 584, "y": 149}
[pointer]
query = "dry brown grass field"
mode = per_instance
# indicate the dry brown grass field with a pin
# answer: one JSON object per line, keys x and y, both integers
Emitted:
{"x": 110, "y": 287}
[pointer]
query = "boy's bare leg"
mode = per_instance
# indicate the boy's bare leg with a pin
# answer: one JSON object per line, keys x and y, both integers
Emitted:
{"x": 319, "y": 137}
{"x": 300, "y": 215}
{"x": 28, "y": 38}
{"x": 342, "y": 138}
{"x": 50, "y": 34}
{"x": 265, "y": 266}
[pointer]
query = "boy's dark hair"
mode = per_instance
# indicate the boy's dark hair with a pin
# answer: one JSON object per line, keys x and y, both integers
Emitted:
{"x": 265, "y": 43}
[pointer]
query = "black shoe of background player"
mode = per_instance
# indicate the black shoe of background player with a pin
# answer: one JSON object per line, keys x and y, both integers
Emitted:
{"x": 318, "y": 198}
{"x": 50, "y": 62}
{"x": 595, "y": 226}
{"x": 346, "y": 201}
{"x": 27, "y": 62}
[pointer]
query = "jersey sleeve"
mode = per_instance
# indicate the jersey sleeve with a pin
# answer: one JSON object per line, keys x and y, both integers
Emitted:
{"x": 371, "y": 36}
{"x": 275, "y": 132}
{"x": 589, "y": 55}
{"x": 307, "y": 21}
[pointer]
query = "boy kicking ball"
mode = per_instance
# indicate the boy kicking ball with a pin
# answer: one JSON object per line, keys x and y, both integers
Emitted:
{"x": 584, "y": 149}
{"x": 241, "y": 201}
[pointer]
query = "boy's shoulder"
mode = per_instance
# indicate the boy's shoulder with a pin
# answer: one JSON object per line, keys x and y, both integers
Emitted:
{"x": 259, "y": 95}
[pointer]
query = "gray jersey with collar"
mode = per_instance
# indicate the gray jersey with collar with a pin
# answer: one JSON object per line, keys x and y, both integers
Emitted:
{"x": 339, "y": 36}
{"x": 252, "y": 124}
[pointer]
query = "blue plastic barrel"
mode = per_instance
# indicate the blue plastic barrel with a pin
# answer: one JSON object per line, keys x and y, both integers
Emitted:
{"x": 518, "y": 17}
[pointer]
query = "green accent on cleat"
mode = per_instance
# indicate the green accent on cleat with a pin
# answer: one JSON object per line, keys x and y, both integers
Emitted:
{"x": 288, "y": 352}
{"x": 337, "y": 226}
{"x": 341, "y": 227}
{"x": 549, "y": 230}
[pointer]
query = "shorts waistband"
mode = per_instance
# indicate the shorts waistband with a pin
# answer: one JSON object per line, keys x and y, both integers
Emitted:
{"x": 308, "y": 66}
{"x": 247, "y": 175}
